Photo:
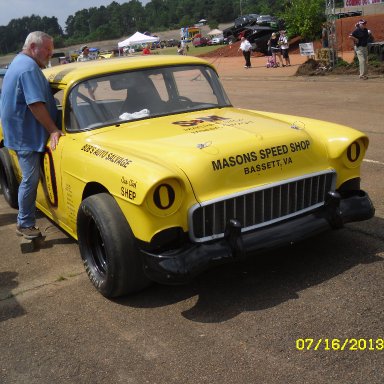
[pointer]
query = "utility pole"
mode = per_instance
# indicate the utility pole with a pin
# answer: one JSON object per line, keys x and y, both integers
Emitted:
{"x": 331, "y": 28}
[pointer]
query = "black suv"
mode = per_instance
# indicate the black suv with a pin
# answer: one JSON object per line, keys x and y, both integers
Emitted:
{"x": 258, "y": 36}
{"x": 246, "y": 20}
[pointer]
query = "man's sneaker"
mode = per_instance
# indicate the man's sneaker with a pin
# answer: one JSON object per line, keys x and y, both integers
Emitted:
{"x": 28, "y": 232}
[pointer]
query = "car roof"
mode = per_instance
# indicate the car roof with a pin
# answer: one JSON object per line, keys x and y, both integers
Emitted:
{"x": 2, "y": 71}
{"x": 73, "y": 72}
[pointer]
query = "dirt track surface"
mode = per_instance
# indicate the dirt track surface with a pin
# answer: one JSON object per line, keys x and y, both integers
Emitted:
{"x": 235, "y": 324}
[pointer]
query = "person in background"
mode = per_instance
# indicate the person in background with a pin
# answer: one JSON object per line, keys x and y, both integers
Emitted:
{"x": 84, "y": 55}
{"x": 246, "y": 48}
{"x": 146, "y": 50}
{"x": 28, "y": 120}
{"x": 283, "y": 44}
{"x": 324, "y": 35}
{"x": 275, "y": 49}
{"x": 360, "y": 37}
{"x": 180, "y": 49}
{"x": 183, "y": 46}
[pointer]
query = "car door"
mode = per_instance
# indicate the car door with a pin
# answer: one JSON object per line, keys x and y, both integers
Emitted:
{"x": 50, "y": 194}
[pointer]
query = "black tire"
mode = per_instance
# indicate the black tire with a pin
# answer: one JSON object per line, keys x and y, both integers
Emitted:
{"x": 8, "y": 181}
{"x": 108, "y": 247}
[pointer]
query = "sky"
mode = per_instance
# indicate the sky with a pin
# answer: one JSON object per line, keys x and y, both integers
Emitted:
{"x": 15, "y": 9}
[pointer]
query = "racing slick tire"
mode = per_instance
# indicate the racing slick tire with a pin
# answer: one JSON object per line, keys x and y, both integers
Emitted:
{"x": 8, "y": 181}
{"x": 108, "y": 247}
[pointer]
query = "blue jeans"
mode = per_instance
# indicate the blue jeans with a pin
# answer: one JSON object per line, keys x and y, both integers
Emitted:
{"x": 30, "y": 168}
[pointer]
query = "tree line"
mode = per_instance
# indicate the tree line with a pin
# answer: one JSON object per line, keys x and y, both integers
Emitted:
{"x": 303, "y": 17}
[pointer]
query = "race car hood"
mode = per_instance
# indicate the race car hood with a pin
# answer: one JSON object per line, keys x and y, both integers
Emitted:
{"x": 234, "y": 149}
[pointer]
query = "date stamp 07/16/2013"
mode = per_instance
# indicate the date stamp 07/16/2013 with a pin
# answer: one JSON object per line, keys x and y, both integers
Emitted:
{"x": 346, "y": 344}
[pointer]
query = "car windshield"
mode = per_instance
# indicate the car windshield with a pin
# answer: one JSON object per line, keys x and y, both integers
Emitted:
{"x": 121, "y": 97}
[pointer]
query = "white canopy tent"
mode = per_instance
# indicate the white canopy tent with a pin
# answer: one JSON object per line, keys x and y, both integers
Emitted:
{"x": 215, "y": 32}
{"x": 137, "y": 38}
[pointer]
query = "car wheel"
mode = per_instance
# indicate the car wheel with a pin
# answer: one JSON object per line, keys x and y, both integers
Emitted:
{"x": 108, "y": 247}
{"x": 8, "y": 181}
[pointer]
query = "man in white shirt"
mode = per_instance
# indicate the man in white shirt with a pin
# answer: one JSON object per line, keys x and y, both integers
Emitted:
{"x": 84, "y": 55}
{"x": 246, "y": 48}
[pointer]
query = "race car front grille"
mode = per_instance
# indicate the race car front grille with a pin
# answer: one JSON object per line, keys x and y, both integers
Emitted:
{"x": 261, "y": 206}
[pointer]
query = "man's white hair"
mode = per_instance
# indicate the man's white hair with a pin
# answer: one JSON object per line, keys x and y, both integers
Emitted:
{"x": 36, "y": 37}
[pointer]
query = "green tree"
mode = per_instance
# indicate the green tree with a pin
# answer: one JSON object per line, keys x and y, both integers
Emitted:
{"x": 156, "y": 14}
{"x": 223, "y": 11}
{"x": 70, "y": 25}
{"x": 114, "y": 20}
{"x": 304, "y": 18}
{"x": 97, "y": 17}
{"x": 132, "y": 17}
{"x": 81, "y": 24}
{"x": 13, "y": 35}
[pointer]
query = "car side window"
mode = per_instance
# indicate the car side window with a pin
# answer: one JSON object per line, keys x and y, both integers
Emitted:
{"x": 93, "y": 103}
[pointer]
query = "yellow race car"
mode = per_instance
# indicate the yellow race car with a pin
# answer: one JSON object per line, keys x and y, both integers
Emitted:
{"x": 159, "y": 177}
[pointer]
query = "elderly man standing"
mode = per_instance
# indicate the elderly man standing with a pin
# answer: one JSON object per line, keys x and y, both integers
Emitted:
{"x": 28, "y": 120}
{"x": 360, "y": 37}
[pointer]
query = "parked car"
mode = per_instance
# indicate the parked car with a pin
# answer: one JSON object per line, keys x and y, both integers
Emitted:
{"x": 249, "y": 19}
{"x": 159, "y": 177}
{"x": 249, "y": 24}
{"x": 217, "y": 40}
{"x": 200, "y": 41}
{"x": 172, "y": 43}
{"x": 341, "y": 15}
{"x": 231, "y": 34}
{"x": 258, "y": 36}
{"x": 266, "y": 20}
{"x": 106, "y": 54}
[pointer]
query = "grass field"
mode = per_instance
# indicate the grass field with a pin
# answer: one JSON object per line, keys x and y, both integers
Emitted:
{"x": 4, "y": 60}
{"x": 192, "y": 50}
